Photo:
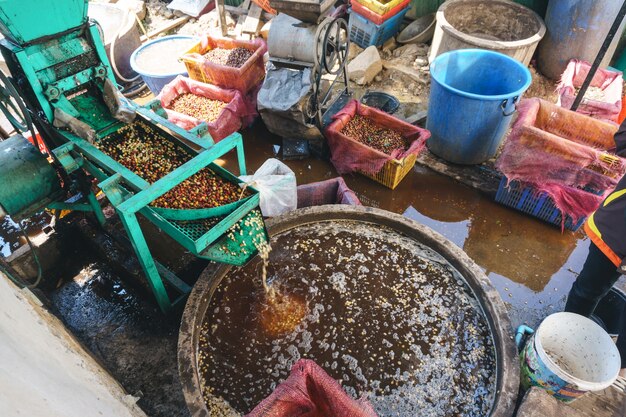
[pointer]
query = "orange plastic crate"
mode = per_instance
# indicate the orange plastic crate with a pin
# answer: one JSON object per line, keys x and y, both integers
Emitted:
{"x": 244, "y": 79}
{"x": 375, "y": 17}
{"x": 380, "y": 7}
{"x": 265, "y": 5}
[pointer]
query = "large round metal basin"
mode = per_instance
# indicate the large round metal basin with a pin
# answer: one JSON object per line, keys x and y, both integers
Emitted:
{"x": 489, "y": 303}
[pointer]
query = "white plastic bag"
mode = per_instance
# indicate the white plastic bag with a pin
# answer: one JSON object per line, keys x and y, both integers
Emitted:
{"x": 276, "y": 184}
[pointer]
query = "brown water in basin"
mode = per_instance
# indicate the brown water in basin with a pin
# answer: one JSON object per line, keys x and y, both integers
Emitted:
{"x": 384, "y": 315}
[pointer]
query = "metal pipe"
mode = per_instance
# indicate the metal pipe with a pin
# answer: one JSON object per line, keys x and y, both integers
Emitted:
{"x": 594, "y": 67}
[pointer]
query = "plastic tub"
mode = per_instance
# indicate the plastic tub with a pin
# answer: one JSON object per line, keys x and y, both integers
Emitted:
{"x": 496, "y": 25}
{"x": 382, "y": 101}
{"x": 375, "y": 17}
{"x": 157, "y": 60}
{"x": 472, "y": 99}
{"x": 121, "y": 31}
{"x": 365, "y": 33}
{"x": 568, "y": 356}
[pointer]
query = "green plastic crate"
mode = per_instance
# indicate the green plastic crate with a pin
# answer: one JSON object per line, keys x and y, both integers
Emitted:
{"x": 421, "y": 8}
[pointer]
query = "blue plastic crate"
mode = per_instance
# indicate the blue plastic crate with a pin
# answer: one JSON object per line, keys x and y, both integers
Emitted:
{"x": 526, "y": 199}
{"x": 366, "y": 33}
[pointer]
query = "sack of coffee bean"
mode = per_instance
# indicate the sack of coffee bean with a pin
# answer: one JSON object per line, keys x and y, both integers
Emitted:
{"x": 189, "y": 103}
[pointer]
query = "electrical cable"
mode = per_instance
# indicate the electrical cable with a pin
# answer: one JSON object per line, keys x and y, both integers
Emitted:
{"x": 13, "y": 278}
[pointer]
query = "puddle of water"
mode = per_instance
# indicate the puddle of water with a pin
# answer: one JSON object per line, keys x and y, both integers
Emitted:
{"x": 123, "y": 328}
{"x": 11, "y": 237}
{"x": 531, "y": 263}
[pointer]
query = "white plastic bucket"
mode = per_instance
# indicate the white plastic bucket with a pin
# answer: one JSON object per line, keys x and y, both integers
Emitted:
{"x": 569, "y": 355}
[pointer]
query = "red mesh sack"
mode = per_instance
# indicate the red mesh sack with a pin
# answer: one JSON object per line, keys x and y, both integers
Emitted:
{"x": 311, "y": 392}
{"x": 229, "y": 119}
{"x": 576, "y": 176}
{"x": 610, "y": 82}
{"x": 244, "y": 79}
{"x": 349, "y": 155}
{"x": 332, "y": 191}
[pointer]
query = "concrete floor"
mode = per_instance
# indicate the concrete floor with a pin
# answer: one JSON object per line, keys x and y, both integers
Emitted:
{"x": 532, "y": 265}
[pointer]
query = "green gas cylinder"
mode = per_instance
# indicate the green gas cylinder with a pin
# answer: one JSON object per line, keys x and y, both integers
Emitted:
{"x": 27, "y": 180}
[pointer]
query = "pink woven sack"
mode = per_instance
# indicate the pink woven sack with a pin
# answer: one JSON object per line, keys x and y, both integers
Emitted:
{"x": 230, "y": 119}
{"x": 349, "y": 155}
{"x": 311, "y": 392}
{"x": 332, "y": 191}
{"x": 610, "y": 82}
{"x": 563, "y": 154}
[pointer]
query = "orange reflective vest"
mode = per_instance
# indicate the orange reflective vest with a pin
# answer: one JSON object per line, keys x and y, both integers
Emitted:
{"x": 607, "y": 226}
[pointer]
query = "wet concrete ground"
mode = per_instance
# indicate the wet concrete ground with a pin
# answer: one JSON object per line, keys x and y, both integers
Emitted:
{"x": 532, "y": 265}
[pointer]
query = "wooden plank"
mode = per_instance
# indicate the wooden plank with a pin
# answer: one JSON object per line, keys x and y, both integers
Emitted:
{"x": 239, "y": 26}
{"x": 219, "y": 5}
{"x": 245, "y": 4}
{"x": 239, "y": 11}
{"x": 483, "y": 178}
{"x": 610, "y": 402}
{"x": 169, "y": 26}
{"x": 251, "y": 25}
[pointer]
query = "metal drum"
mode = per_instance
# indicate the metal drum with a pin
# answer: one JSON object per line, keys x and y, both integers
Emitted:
{"x": 27, "y": 180}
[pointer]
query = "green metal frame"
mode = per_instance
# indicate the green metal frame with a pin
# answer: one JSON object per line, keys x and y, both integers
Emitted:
{"x": 131, "y": 195}
{"x": 91, "y": 206}
{"x": 68, "y": 72}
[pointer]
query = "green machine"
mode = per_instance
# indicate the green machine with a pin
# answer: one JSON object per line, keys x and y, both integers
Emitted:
{"x": 63, "y": 85}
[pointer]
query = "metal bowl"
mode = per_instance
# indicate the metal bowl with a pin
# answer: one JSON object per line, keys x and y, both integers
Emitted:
{"x": 419, "y": 31}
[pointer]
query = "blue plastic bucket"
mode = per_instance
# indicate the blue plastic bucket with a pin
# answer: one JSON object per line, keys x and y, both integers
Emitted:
{"x": 157, "y": 61}
{"x": 473, "y": 95}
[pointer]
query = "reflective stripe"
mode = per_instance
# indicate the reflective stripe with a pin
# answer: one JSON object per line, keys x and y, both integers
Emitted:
{"x": 597, "y": 240}
{"x": 612, "y": 197}
{"x": 591, "y": 223}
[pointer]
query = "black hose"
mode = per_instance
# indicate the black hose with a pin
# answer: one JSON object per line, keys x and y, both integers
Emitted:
{"x": 17, "y": 280}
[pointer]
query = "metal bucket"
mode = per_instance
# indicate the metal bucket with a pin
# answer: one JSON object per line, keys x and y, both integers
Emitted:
{"x": 568, "y": 356}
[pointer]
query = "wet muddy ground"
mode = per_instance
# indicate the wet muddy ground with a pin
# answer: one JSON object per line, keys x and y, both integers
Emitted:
{"x": 532, "y": 265}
